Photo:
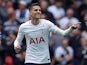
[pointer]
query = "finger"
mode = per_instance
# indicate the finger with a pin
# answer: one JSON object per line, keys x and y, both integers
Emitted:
{"x": 18, "y": 46}
{"x": 78, "y": 23}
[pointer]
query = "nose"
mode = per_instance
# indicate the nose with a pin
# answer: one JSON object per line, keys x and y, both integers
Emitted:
{"x": 39, "y": 11}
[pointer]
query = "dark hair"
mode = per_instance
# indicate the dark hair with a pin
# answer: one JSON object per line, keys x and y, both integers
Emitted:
{"x": 34, "y": 4}
{"x": 58, "y": 0}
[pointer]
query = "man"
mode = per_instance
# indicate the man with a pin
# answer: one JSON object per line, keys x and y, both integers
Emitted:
{"x": 64, "y": 53}
{"x": 84, "y": 50}
{"x": 36, "y": 32}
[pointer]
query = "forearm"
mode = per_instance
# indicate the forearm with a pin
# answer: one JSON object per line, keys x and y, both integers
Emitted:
{"x": 55, "y": 29}
{"x": 63, "y": 32}
{"x": 16, "y": 43}
{"x": 19, "y": 37}
{"x": 59, "y": 59}
{"x": 69, "y": 58}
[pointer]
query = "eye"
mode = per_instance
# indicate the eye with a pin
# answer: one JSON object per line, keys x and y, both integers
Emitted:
{"x": 39, "y": 9}
{"x": 36, "y": 10}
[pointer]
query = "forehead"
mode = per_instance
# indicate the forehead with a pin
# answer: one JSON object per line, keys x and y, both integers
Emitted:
{"x": 35, "y": 7}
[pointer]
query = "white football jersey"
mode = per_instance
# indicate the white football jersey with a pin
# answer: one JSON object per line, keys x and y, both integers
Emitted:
{"x": 37, "y": 50}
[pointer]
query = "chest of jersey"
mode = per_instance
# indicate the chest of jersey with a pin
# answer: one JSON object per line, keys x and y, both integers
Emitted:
{"x": 37, "y": 34}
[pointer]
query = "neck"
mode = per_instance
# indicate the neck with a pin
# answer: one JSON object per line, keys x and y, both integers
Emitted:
{"x": 35, "y": 21}
{"x": 11, "y": 20}
{"x": 69, "y": 17}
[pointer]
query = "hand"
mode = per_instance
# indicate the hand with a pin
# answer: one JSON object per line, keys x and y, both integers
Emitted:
{"x": 17, "y": 48}
{"x": 67, "y": 57}
{"x": 75, "y": 26}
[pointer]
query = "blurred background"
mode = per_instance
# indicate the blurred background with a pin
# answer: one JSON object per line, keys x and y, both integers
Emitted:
{"x": 68, "y": 50}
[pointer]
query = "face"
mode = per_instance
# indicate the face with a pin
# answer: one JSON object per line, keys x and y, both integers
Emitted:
{"x": 59, "y": 4}
{"x": 64, "y": 43}
{"x": 0, "y": 1}
{"x": 85, "y": 17}
{"x": 9, "y": 4}
{"x": 70, "y": 13}
{"x": 22, "y": 7}
{"x": 44, "y": 5}
{"x": 35, "y": 12}
{"x": 84, "y": 43}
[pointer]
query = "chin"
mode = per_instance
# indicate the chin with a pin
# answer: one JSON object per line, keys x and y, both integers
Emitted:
{"x": 38, "y": 17}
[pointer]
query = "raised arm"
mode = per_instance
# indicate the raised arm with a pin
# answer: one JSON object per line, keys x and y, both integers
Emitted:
{"x": 53, "y": 28}
{"x": 18, "y": 40}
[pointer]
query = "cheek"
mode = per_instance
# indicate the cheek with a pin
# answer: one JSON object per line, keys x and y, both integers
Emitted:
{"x": 34, "y": 14}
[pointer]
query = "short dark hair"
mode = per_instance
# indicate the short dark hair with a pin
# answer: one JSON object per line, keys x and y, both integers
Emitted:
{"x": 34, "y": 4}
{"x": 58, "y": 0}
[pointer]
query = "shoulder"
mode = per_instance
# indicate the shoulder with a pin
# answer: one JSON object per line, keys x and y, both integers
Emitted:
{"x": 59, "y": 48}
{"x": 69, "y": 48}
{"x": 62, "y": 9}
{"x": 51, "y": 7}
{"x": 75, "y": 19}
{"x": 6, "y": 22}
{"x": 47, "y": 22}
{"x": 24, "y": 24}
{"x": 64, "y": 18}
{"x": 27, "y": 10}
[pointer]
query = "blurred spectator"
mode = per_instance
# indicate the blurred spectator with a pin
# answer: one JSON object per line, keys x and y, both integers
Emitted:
{"x": 3, "y": 12}
{"x": 21, "y": 58}
{"x": 2, "y": 50}
{"x": 70, "y": 2}
{"x": 84, "y": 51}
{"x": 15, "y": 4}
{"x": 3, "y": 47}
{"x": 52, "y": 2}
{"x": 83, "y": 8}
{"x": 8, "y": 60}
{"x": 67, "y": 3}
{"x": 8, "y": 4}
{"x": 68, "y": 20}
{"x": 10, "y": 47}
{"x": 54, "y": 42}
{"x": 28, "y": 3}
{"x": 22, "y": 14}
{"x": 11, "y": 24}
{"x": 84, "y": 23}
{"x": 84, "y": 34}
{"x": 64, "y": 54}
{"x": 76, "y": 45}
{"x": 44, "y": 5}
{"x": 57, "y": 10}
{"x": 75, "y": 7}
{"x": 12, "y": 37}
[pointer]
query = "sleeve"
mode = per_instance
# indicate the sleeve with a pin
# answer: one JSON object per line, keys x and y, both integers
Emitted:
{"x": 19, "y": 38}
{"x": 53, "y": 28}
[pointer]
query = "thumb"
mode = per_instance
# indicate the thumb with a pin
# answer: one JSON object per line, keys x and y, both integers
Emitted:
{"x": 19, "y": 47}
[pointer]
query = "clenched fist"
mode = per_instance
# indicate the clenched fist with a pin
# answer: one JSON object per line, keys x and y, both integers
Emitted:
{"x": 17, "y": 48}
{"x": 75, "y": 26}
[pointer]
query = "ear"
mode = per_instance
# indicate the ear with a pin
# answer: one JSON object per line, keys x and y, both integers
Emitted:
{"x": 30, "y": 12}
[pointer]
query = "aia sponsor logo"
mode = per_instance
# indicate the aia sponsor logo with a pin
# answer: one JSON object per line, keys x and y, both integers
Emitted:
{"x": 36, "y": 40}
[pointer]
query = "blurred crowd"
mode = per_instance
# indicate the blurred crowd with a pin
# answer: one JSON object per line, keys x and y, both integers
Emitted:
{"x": 68, "y": 50}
